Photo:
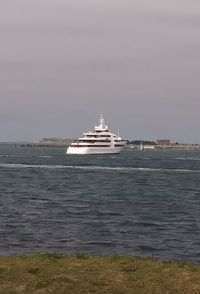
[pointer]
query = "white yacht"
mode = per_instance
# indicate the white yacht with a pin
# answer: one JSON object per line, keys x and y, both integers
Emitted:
{"x": 99, "y": 141}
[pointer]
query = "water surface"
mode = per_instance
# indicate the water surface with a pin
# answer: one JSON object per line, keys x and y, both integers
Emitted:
{"x": 136, "y": 203}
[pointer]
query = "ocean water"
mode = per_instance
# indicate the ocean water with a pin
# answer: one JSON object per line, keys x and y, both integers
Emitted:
{"x": 135, "y": 203}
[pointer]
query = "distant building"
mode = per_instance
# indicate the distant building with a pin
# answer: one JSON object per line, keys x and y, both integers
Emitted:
{"x": 55, "y": 140}
{"x": 52, "y": 140}
{"x": 163, "y": 142}
{"x": 149, "y": 147}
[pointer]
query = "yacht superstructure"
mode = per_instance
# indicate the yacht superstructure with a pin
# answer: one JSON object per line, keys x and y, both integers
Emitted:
{"x": 99, "y": 141}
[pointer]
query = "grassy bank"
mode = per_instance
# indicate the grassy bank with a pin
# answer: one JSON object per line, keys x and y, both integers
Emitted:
{"x": 52, "y": 273}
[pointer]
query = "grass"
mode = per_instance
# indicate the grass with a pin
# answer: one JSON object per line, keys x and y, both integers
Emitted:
{"x": 53, "y": 273}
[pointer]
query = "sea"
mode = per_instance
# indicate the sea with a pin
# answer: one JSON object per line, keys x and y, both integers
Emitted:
{"x": 137, "y": 203}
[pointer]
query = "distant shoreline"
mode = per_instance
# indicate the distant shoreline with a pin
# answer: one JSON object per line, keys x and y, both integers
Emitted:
{"x": 135, "y": 147}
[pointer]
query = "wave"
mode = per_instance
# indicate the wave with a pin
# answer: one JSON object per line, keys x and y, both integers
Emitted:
{"x": 25, "y": 156}
{"x": 113, "y": 157}
{"x": 44, "y": 166}
{"x": 186, "y": 158}
{"x": 92, "y": 168}
{"x": 170, "y": 158}
{"x": 43, "y": 156}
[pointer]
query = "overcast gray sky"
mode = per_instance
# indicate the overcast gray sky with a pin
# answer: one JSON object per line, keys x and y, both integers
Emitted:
{"x": 63, "y": 62}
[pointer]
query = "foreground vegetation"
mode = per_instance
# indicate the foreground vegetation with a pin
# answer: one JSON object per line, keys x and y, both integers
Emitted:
{"x": 52, "y": 273}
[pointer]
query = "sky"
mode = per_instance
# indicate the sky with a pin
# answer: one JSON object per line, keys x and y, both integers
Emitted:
{"x": 64, "y": 62}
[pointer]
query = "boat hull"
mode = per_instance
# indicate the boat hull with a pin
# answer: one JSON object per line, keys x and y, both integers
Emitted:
{"x": 93, "y": 150}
